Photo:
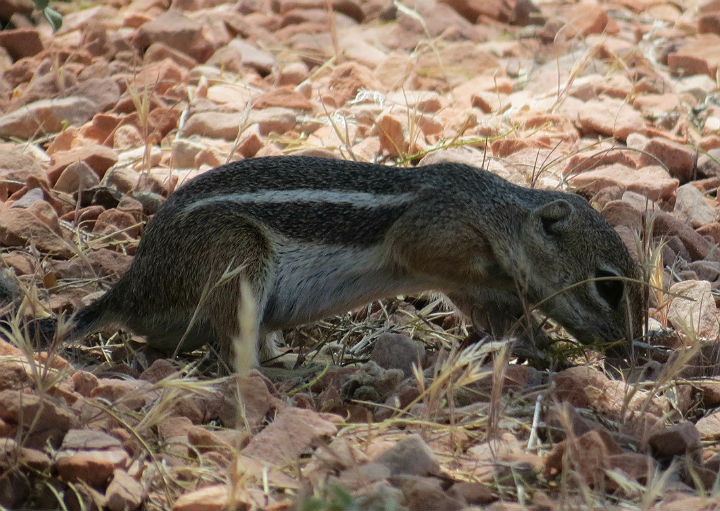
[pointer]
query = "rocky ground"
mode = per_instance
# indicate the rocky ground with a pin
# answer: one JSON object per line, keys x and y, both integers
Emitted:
{"x": 100, "y": 121}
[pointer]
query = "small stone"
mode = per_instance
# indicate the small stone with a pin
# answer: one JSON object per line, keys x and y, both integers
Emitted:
{"x": 238, "y": 53}
{"x": 98, "y": 157}
{"x": 423, "y": 101}
{"x": 273, "y": 119}
{"x": 693, "y": 311}
{"x": 176, "y": 31}
{"x": 398, "y": 351}
{"x": 475, "y": 494}
{"x": 124, "y": 493}
{"x": 393, "y": 136}
{"x": 657, "y": 104}
{"x": 293, "y": 73}
{"x": 250, "y": 142}
{"x": 78, "y": 175}
{"x": 620, "y": 212}
{"x": 668, "y": 226}
{"x": 286, "y": 97}
{"x": 292, "y": 431}
{"x": 709, "y": 426}
{"x": 16, "y": 167}
{"x": 84, "y": 382}
{"x": 215, "y": 124}
{"x": 678, "y": 158}
{"x": 609, "y": 117}
{"x": 46, "y": 116}
{"x": 347, "y": 79}
{"x": 653, "y": 182}
{"x": 127, "y": 136}
{"x": 93, "y": 467}
{"x": 587, "y": 455}
{"x": 410, "y": 456}
{"x": 20, "y": 227}
{"x": 21, "y": 42}
{"x": 708, "y": 165}
{"x": 209, "y": 498}
{"x": 677, "y": 440}
{"x": 427, "y": 493}
{"x": 87, "y": 439}
{"x": 690, "y": 205}
{"x": 699, "y": 55}
{"x": 116, "y": 220}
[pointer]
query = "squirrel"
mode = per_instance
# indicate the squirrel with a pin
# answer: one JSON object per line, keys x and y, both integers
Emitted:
{"x": 311, "y": 237}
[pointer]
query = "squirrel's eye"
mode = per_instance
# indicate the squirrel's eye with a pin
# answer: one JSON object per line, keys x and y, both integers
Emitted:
{"x": 609, "y": 289}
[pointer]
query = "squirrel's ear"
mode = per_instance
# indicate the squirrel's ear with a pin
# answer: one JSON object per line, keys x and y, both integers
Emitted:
{"x": 555, "y": 216}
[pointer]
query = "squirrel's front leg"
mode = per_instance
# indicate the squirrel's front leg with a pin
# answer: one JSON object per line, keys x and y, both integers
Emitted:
{"x": 501, "y": 315}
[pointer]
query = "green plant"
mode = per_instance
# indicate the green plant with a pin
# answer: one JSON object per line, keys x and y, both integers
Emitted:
{"x": 53, "y": 17}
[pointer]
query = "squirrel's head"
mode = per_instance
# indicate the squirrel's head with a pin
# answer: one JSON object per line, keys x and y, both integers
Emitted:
{"x": 580, "y": 271}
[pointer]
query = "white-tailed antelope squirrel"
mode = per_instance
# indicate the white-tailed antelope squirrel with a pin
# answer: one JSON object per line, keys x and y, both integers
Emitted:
{"x": 315, "y": 237}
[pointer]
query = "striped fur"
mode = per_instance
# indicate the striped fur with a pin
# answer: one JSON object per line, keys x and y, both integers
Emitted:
{"x": 314, "y": 237}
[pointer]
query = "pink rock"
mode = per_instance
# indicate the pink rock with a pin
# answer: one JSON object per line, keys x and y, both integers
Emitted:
{"x": 709, "y": 427}
{"x": 653, "y": 182}
{"x": 244, "y": 54}
{"x": 46, "y": 116}
{"x": 693, "y": 312}
{"x": 424, "y": 101}
{"x": 657, "y": 104}
{"x": 700, "y": 55}
{"x": 29, "y": 410}
{"x": 117, "y": 220}
{"x": 97, "y": 157}
{"x": 124, "y": 492}
{"x": 209, "y": 498}
{"x": 347, "y": 79}
{"x": 620, "y": 212}
{"x": 250, "y": 142}
{"x": 581, "y": 20}
{"x": 393, "y": 136}
{"x": 464, "y": 55}
{"x": 19, "y": 227}
{"x": 273, "y": 119}
{"x": 132, "y": 394}
{"x": 610, "y": 117}
{"x": 472, "y": 9}
{"x": 122, "y": 178}
{"x": 690, "y": 205}
{"x": 353, "y": 9}
{"x": 678, "y": 158}
{"x": 437, "y": 19}
{"x": 160, "y": 51}
{"x": 95, "y": 467}
{"x": 16, "y": 167}
{"x": 177, "y": 31}
{"x": 293, "y": 73}
{"x": 104, "y": 92}
{"x": 127, "y": 136}
{"x": 21, "y": 42}
{"x": 285, "y": 96}
{"x": 159, "y": 77}
{"x": 292, "y": 431}
{"x": 668, "y": 226}
{"x": 214, "y": 124}
{"x": 78, "y": 175}
{"x": 393, "y": 70}
{"x": 89, "y": 439}
{"x": 490, "y": 102}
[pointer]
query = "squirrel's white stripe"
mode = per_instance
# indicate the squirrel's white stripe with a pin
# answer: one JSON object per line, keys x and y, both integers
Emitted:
{"x": 355, "y": 199}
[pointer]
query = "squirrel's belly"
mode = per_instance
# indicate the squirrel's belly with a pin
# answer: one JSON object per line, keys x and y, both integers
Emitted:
{"x": 311, "y": 282}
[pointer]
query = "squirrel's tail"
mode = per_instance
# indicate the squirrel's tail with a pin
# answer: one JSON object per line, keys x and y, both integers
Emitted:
{"x": 44, "y": 331}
